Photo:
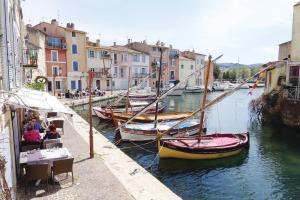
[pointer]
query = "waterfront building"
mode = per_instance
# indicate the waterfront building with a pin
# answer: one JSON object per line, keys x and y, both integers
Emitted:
{"x": 126, "y": 58}
{"x": 174, "y": 66}
{"x": 154, "y": 58}
{"x": 199, "y": 64}
{"x": 76, "y": 58}
{"x": 99, "y": 60}
{"x": 36, "y": 45}
{"x": 186, "y": 67}
{"x": 55, "y": 56}
{"x": 12, "y": 63}
{"x": 11, "y": 44}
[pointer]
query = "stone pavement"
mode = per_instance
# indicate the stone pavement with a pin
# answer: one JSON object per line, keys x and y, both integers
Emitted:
{"x": 92, "y": 179}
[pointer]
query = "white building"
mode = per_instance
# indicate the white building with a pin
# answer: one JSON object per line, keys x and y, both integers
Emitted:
{"x": 11, "y": 43}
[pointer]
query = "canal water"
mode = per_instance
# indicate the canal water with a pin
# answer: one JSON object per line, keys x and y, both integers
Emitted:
{"x": 270, "y": 169}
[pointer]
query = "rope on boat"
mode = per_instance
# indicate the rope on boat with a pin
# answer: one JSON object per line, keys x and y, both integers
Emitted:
{"x": 156, "y": 156}
{"x": 219, "y": 98}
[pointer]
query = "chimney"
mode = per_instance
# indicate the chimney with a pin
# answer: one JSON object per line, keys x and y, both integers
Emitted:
{"x": 170, "y": 46}
{"x": 162, "y": 44}
{"x": 98, "y": 43}
{"x": 87, "y": 39}
{"x": 157, "y": 43}
{"x": 72, "y": 26}
{"x": 128, "y": 41}
{"x": 144, "y": 42}
{"x": 68, "y": 25}
{"x": 115, "y": 44}
{"x": 54, "y": 22}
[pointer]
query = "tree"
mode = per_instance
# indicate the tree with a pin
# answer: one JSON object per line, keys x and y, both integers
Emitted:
{"x": 36, "y": 86}
{"x": 217, "y": 72}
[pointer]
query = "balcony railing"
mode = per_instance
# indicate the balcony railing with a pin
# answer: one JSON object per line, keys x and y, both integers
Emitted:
{"x": 29, "y": 58}
{"x": 293, "y": 92}
{"x": 139, "y": 75}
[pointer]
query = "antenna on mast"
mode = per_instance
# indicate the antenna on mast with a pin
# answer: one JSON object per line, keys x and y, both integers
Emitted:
{"x": 58, "y": 15}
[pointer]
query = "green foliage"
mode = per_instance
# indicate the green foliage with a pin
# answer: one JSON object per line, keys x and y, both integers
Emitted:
{"x": 36, "y": 86}
{"x": 217, "y": 72}
{"x": 237, "y": 73}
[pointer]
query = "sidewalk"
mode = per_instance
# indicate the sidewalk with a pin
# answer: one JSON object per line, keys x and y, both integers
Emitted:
{"x": 85, "y": 100}
{"x": 92, "y": 179}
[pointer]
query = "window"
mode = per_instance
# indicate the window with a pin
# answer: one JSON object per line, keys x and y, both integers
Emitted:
{"x": 56, "y": 71}
{"x": 73, "y": 85}
{"x": 143, "y": 71}
{"x": 79, "y": 85}
{"x": 74, "y": 49}
{"x": 113, "y": 83}
{"x": 122, "y": 72}
{"x": 202, "y": 61}
{"x": 198, "y": 61}
{"x": 192, "y": 66}
{"x": 115, "y": 58}
{"x": 45, "y": 29}
{"x": 143, "y": 58}
{"x": 182, "y": 66}
{"x": 54, "y": 42}
{"x": 92, "y": 69}
{"x": 125, "y": 58}
{"x": 54, "y": 56}
{"x": 115, "y": 71}
{"x": 57, "y": 85}
{"x": 172, "y": 75}
{"x": 91, "y": 54}
{"x": 135, "y": 82}
{"x": 136, "y": 58}
{"x": 73, "y": 34}
{"x": 173, "y": 62}
{"x": 153, "y": 48}
{"x": 107, "y": 83}
{"x": 75, "y": 66}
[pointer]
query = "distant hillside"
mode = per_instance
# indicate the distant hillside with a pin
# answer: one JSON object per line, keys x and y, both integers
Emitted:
{"x": 237, "y": 65}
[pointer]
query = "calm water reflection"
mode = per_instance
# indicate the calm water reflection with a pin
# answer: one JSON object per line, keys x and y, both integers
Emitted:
{"x": 270, "y": 169}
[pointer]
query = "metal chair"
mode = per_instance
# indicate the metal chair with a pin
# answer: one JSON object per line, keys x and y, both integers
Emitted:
{"x": 54, "y": 145}
{"x": 62, "y": 166}
{"x": 30, "y": 147}
{"x": 36, "y": 172}
{"x": 52, "y": 141}
{"x": 59, "y": 124}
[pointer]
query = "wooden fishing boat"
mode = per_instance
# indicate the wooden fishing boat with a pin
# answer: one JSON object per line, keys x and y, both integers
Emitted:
{"x": 140, "y": 132}
{"x": 105, "y": 113}
{"x": 203, "y": 147}
{"x": 208, "y": 147}
{"x": 194, "y": 89}
{"x": 146, "y": 118}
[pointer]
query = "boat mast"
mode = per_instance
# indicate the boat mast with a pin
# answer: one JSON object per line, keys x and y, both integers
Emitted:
{"x": 158, "y": 86}
{"x": 204, "y": 96}
{"x": 129, "y": 84}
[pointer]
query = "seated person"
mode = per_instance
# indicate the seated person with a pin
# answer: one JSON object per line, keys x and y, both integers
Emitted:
{"x": 36, "y": 125}
{"x": 31, "y": 135}
{"x": 51, "y": 133}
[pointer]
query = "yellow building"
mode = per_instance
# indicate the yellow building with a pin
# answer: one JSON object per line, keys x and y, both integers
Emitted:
{"x": 76, "y": 58}
{"x": 187, "y": 67}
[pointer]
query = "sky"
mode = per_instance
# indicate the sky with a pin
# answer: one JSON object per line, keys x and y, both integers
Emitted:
{"x": 245, "y": 31}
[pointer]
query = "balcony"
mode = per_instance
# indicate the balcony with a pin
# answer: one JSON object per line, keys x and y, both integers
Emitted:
{"x": 56, "y": 43}
{"x": 29, "y": 58}
{"x": 140, "y": 75}
{"x": 293, "y": 92}
{"x": 102, "y": 73}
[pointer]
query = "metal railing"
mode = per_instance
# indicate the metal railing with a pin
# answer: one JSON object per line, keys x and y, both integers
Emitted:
{"x": 29, "y": 58}
{"x": 140, "y": 75}
{"x": 293, "y": 92}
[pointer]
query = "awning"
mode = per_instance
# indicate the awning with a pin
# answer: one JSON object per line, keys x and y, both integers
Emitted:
{"x": 36, "y": 100}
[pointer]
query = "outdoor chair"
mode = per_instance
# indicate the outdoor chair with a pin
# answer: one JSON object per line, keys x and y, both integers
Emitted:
{"x": 52, "y": 141}
{"x": 59, "y": 124}
{"x": 30, "y": 147}
{"x": 54, "y": 145}
{"x": 62, "y": 166}
{"x": 36, "y": 172}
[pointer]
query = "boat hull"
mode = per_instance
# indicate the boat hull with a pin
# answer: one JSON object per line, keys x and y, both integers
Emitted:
{"x": 142, "y": 134}
{"x": 169, "y": 150}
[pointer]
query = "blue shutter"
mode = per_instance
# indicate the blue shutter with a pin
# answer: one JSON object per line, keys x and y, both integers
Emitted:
{"x": 73, "y": 85}
{"x": 74, "y": 48}
{"x": 79, "y": 85}
{"x": 75, "y": 66}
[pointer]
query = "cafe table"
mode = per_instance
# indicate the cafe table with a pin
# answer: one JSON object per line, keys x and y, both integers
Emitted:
{"x": 44, "y": 155}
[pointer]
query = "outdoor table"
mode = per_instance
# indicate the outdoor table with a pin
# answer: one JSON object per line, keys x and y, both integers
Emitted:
{"x": 44, "y": 155}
